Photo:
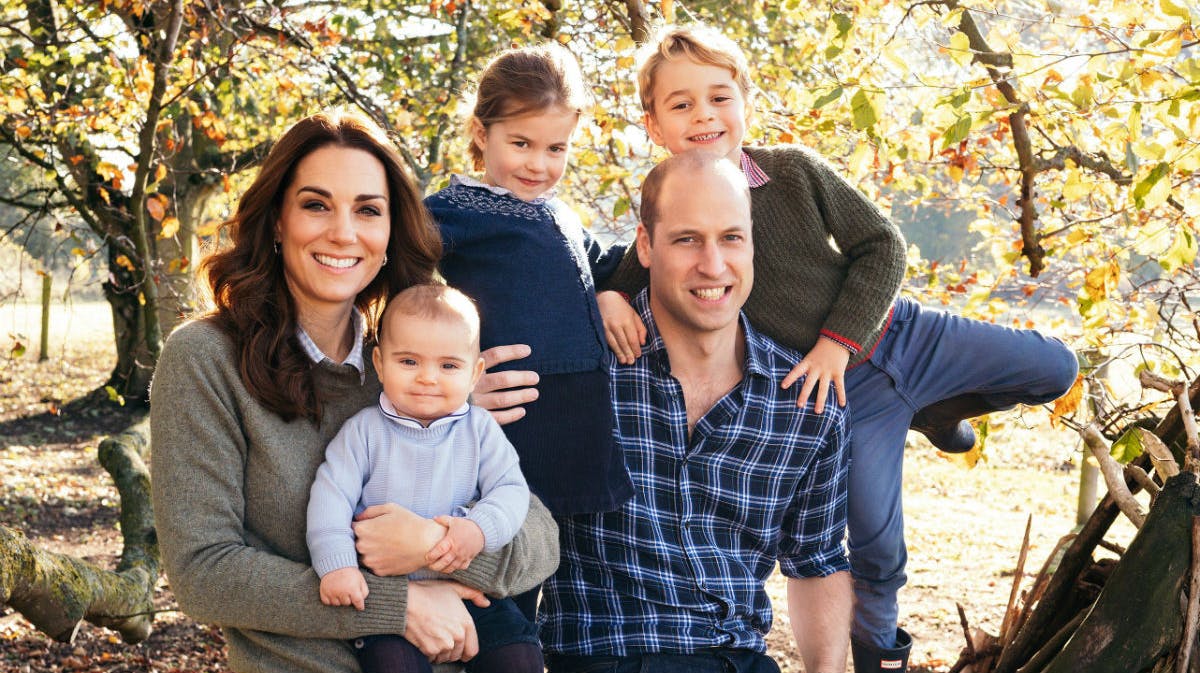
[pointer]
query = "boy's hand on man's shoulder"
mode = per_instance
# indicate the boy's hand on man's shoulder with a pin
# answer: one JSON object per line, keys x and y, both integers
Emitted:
{"x": 824, "y": 364}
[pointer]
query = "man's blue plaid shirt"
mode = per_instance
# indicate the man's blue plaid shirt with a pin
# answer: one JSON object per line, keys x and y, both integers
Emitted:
{"x": 681, "y": 566}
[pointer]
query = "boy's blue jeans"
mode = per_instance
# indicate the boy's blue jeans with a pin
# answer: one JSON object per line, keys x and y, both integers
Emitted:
{"x": 924, "y": 357}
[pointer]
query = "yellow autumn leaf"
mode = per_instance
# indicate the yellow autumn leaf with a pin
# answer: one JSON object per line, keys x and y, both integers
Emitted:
{"x": 107, "y": 170}
{"x": 160, "y": 172}
{"x": 123, "y": 262}
{"x": 1074, "y": 188}
{"x": 170, "y": 227}
{"x": 209, "y": 228}
{"x": 960, "y": 48}
{"x": 1067, "y": 404}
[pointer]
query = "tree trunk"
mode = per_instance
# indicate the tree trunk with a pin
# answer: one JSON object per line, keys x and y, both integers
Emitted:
{"x": 135, "y": 360}
{"x": 56, "y": 592}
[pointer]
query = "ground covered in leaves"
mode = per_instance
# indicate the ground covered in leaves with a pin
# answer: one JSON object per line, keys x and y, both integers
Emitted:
{"x": 964, "y": 526}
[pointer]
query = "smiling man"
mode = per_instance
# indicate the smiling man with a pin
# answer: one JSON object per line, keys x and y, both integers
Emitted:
{"x": 731, "y": 476}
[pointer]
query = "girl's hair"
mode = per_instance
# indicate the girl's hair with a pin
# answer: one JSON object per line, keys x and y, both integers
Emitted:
{"x": 253, "y": 303}
{"x": 525, "y": 81}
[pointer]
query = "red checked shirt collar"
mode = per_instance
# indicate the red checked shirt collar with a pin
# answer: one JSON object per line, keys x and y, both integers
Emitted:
{"x": 754, "y": 175}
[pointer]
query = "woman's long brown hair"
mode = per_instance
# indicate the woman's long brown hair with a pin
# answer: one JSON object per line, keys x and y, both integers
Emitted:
{"x": 252, "y": 300}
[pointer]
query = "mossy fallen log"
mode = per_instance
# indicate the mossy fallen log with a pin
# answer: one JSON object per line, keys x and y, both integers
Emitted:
{"x": 57, "y": 592}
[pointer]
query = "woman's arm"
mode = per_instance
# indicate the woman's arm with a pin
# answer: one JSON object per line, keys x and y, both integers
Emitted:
{"x": 220, "y": 571}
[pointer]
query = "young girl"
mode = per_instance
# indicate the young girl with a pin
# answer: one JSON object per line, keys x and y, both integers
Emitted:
{"x": 526, "y": 260}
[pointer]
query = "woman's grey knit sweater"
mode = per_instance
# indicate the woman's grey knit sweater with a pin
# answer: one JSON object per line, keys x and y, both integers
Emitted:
{"x": 231, "y": 486}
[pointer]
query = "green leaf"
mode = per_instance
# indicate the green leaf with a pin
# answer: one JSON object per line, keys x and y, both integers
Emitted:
{"x": 958, "y": 131}
{"x": 864, "y": 110}
{"x": 828, "y": 98}
{"x": 114, "y": 396}
{"x": 621, "y": 206}
{"x": 1142, "y": 189}
{"x": 1128, "y": 447}
{"x": 17, "y": 350}
{"x": 1181, "y": 253}
{"x": 843, "y": 24}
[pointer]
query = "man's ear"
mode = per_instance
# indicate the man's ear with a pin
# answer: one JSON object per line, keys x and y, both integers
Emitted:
{"x": 643, "y": 245}
{"x": 652, "y": 129}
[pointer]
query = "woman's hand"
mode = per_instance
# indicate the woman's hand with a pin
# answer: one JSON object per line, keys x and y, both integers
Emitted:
{"x": 502, "y": 393}
{"x": 437, "y": 622}
{"x": 391, "y": 540}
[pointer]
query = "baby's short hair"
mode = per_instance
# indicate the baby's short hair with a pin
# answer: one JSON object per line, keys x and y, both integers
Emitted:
{"x": 697, "y": 42}
{"x": 433, "y": 302}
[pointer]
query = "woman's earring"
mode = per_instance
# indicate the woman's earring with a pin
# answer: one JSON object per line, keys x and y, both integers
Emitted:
{"x": 277, "y": 247}
{"x": 384, "y": 260}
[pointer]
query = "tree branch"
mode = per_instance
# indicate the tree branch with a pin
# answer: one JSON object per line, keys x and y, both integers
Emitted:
{"x": 1113, "y": 474}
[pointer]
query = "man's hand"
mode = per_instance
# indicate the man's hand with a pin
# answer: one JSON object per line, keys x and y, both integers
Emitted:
{"x": 825, "y": 363}
{"x": 502, "y": 393}
{"x": 392, "y": 540}
{"x": 458, "y": 547}
{"x": 344, "y": 586}
{"x": 623, "y": 327}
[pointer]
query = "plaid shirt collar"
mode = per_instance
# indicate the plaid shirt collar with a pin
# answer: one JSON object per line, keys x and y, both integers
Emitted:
{"x": 755, "y": 175}
{"x": 656, "y": 348}
{"x": 354, "y": 358}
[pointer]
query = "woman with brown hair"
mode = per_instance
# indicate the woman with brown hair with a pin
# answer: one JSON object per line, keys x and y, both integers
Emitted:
{"x": 246, "y": 398}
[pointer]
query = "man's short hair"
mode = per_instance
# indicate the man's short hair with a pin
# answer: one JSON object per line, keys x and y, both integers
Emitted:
{"x": 696, "y": 42}
{"x": 692, "y": 162}
{"x": 433, "y": 302}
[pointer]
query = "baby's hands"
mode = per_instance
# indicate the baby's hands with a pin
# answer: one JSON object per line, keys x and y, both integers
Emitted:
{"x": 458, "y": 547}
{"x": 344, "y": 586}
{"x": 825, "y": 363}
{"x": 623, "y": 327}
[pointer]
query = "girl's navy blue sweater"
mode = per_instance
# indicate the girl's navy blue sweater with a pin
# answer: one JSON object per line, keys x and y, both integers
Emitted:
{"x": 532, "y": 269}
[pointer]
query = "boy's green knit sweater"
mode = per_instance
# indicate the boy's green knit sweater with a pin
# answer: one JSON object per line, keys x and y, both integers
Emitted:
{"x": 826, "y": 260}
{"x": 231, "y": 485}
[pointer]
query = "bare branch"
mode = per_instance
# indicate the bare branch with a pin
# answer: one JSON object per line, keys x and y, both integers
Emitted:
{"x": 1113, "y": 475}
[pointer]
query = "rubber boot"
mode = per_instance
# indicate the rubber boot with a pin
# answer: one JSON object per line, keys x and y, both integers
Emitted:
{"x": 874, "y": 659}
{"x": 944, "y": 423}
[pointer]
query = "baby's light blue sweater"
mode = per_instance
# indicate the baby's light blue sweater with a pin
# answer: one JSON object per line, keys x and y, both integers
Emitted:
{"x": 432, "y": 471}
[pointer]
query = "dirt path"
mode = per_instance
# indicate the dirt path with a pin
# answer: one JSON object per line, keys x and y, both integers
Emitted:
{"x": 964, "y": 526}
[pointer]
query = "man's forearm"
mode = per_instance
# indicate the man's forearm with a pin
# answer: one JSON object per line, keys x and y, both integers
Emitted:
{"x": 820, "y": 610}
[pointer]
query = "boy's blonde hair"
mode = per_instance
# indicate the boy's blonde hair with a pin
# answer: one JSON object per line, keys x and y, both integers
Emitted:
{"x": 696, "y": 42}
{"x": 433, "y": 302}
{"x": 527, "y": 80}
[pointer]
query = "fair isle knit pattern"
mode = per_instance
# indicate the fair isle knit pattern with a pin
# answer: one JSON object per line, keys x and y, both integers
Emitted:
{"x": 826, "y": 260}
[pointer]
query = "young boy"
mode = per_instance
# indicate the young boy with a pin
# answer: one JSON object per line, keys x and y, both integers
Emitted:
{"x": 424, "y": 448}
{"x": 897, "y": 364}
